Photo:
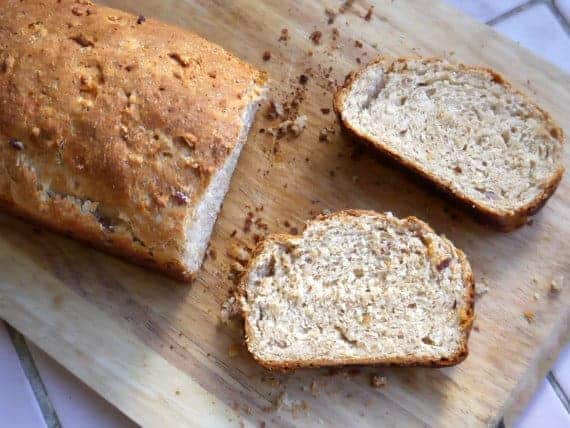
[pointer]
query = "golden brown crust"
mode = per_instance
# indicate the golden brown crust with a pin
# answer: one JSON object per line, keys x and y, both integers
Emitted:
{"x": 120, "y": 123}
{"x": 467, "y": 309}
{"x": 504, "y": 220}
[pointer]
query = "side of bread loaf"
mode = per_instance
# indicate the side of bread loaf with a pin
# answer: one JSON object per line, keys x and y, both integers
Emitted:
{"x": 358, "y": 287}
{"x": 462, "y": 128}
{"x": 119, "y": 130}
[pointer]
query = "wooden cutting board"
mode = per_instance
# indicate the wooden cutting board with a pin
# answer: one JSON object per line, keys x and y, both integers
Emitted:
{"x": 156, "y": 348}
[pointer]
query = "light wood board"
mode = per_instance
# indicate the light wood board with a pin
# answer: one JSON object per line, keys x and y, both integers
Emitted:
{"x": 156, "y": 349}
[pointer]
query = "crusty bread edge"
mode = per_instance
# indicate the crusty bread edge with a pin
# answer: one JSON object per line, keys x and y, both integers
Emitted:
{"x": 467, "y": 314}
{"x": 504, "y": 220}
{"x": 89, "y": 232}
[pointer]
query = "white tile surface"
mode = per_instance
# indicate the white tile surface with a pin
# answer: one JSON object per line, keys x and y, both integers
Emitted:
{"x": 539, "y": 30}
{"x": 76, "y": 405}
{"x": 564, "y": 8}
{"x": 485, "y": 10}
{"x": 561, "y": 370}
{"x": 545, "y": 410}
{"x": 18, "y": 405}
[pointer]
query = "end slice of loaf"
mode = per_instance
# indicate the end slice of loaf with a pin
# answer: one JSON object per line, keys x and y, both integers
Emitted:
{"x": 463, "y": 128}
{"x": 358, "y": 287}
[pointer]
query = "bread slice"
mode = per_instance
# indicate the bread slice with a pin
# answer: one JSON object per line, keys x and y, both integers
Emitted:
{"x": 358, "y": 287}
{"x": 119, "y": 130}
{"x": 464, "y": 129}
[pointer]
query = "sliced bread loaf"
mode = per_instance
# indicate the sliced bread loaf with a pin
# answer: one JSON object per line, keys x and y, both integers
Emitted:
{"x": 463, "y": 128}
{"x": 358, "y": 287}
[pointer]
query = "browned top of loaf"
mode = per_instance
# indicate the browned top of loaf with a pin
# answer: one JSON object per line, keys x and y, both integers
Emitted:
{"x": 129, "y": 113}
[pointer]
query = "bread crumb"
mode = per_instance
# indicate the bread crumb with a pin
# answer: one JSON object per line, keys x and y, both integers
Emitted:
{"x": 358, "y": 44}
{"x": 238, "y": 253}
{"x": 230, "y": 308}
{"x": 536, "y": 296}
{"x": 315, "y": 37}
{"x": 324, "y": 135}
{"x": 369, "y": 13}
{"x": 377, "y": 381}
{"x": 530, "y": 316}
{"x": 335, "y": 34}
{"x": 284, "y": 35}
{"x": 266, "y": 56}
{"x": 294, "y": 127}
{"x": 555, "y": 286}
{"x": 331, "y": 15}
{"x": 325, "y": 110}
{"x": 274, "y": 110}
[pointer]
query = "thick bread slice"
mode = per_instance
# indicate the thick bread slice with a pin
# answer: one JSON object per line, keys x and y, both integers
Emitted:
{"x": 119, "y": 130}
{"x": 358, "y": 287}
{"x": 464, "y": 129}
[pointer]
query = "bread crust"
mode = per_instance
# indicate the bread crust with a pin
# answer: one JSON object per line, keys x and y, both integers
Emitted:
{"x": 112, "y": 126}
{"x": 504, "y": 220}
{"x": 467, "y": 309}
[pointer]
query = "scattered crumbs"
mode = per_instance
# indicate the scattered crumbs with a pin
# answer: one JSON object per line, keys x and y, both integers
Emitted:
{"x": 234, "y": 233}
{"x": 233, "y": 350}
{"x": 230, "y": 308}
{"x": 213, "y": 254}
{"x": 534, "y": 280}
{"x": 286, "y": 223}
{"x": 331, "y": 15}
{"x": 358, "y": 44}
{"x": 536, "y": 296}
{"x": 294, "y": 127}
{"x": 377, "y": 381}
{"x": 294, "y": 231}
{"x": 266, "y": 56}
{"x": 303, "y": 79}
{"x": 141, "y": 19}
{"x": 284, "y": 35}
{"x": 259, "y": 208}
{"x": 239, "y": 253}
{"x": 529, "y": 315}
{"x": 315, "y": 37}
{"x": 274, "y": 110}
{"x": 369, "y": 13}
{"x": 358, "y": 61}
{"x": 325, "y": 110}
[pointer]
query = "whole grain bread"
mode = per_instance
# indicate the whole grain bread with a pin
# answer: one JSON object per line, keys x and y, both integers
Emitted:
{"x": 358, "y": 287}
{"x": 119, "y": 130}
{"x": 463, "y": 128}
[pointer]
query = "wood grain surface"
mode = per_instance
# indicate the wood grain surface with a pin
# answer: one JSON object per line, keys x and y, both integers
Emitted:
{"x": 157, "y": 349}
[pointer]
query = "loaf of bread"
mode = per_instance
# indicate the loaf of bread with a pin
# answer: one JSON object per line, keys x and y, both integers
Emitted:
{"x": 358, "y": 287}
{"x": 119, "y": 130}
{"x": 464, "y": 129}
